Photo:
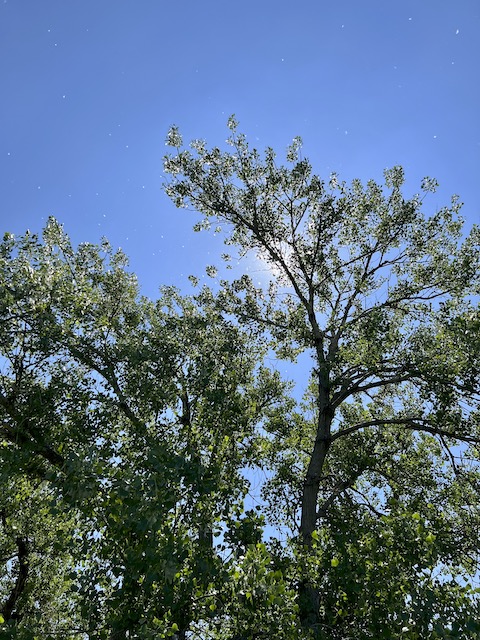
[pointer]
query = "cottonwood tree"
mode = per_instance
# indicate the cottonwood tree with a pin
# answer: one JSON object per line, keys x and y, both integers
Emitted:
{"x": 125, "y": 428}
{"x": 376, "y": 474}
{"x": 129, "y": 427}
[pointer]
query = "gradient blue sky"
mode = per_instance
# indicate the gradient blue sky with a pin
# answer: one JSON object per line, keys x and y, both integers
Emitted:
{"x": 89, "y": 89}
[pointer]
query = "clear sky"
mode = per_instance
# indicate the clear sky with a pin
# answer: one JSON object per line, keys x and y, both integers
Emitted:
{"x": 88, "y": 90}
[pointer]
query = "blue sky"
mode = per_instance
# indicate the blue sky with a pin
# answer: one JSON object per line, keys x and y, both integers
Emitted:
{"x": 89, "y": 90}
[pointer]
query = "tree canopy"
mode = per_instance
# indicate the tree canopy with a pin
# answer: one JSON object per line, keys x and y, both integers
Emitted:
{"x": 131, "y": 428}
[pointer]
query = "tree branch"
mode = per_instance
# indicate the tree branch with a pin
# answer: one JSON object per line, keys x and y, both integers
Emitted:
{"x": 409, "y": 423}
{"x": 342, "y": 395}
{"x": 339, "y": 488}
{"x": 9, "y": 608}
{"x": 22, "y": 434}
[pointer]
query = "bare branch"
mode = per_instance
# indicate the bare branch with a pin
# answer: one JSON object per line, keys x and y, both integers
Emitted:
{"x": 357, "y": 387}
{"x": 413, "y": 424}
{"x": 339, "y": 488}
{"x": 366, "y": 502}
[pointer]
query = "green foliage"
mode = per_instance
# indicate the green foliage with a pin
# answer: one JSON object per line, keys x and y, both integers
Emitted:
{"x": 375, "y": 473}
{"x": 126, "y": 426}
{"x": 133, "y": 432}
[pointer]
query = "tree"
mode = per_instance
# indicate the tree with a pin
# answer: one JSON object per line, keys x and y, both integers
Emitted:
{"x": 382, "y": 461}
{"x": 125, "y": 426}
{"x": 131, "y": 429}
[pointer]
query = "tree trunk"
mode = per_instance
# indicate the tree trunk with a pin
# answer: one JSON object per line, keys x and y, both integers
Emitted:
{"x": 311, "y": 487}
{"x": 9, "y": 610}
{"x": 309, "y": 595}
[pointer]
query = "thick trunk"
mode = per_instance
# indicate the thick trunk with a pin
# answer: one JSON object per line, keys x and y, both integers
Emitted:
{"x": 311, "y": 483}
{"x": 309, "y": 595}
{"x": 311, "y": 487}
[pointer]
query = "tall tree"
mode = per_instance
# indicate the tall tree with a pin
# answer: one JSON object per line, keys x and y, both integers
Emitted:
{"x": 126, "y": 425}
{"x": 381, "y": 463}
{"x": 130, "y": 428}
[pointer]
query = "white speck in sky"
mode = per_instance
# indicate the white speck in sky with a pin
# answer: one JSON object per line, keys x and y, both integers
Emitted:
{"x": 126, "y": 146}
{"x": 457, "y": 32}
{"x": 64, "y": 96}
{"x": 8, "y": 153}
{"x": 346, "y": 133}
{"x": 283, "y": 59}
{"x": 343, "y": 26}
{"x": 434, "y": 136}
{"x": 39, "y": 187}
{"x": 409, "y": 18}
